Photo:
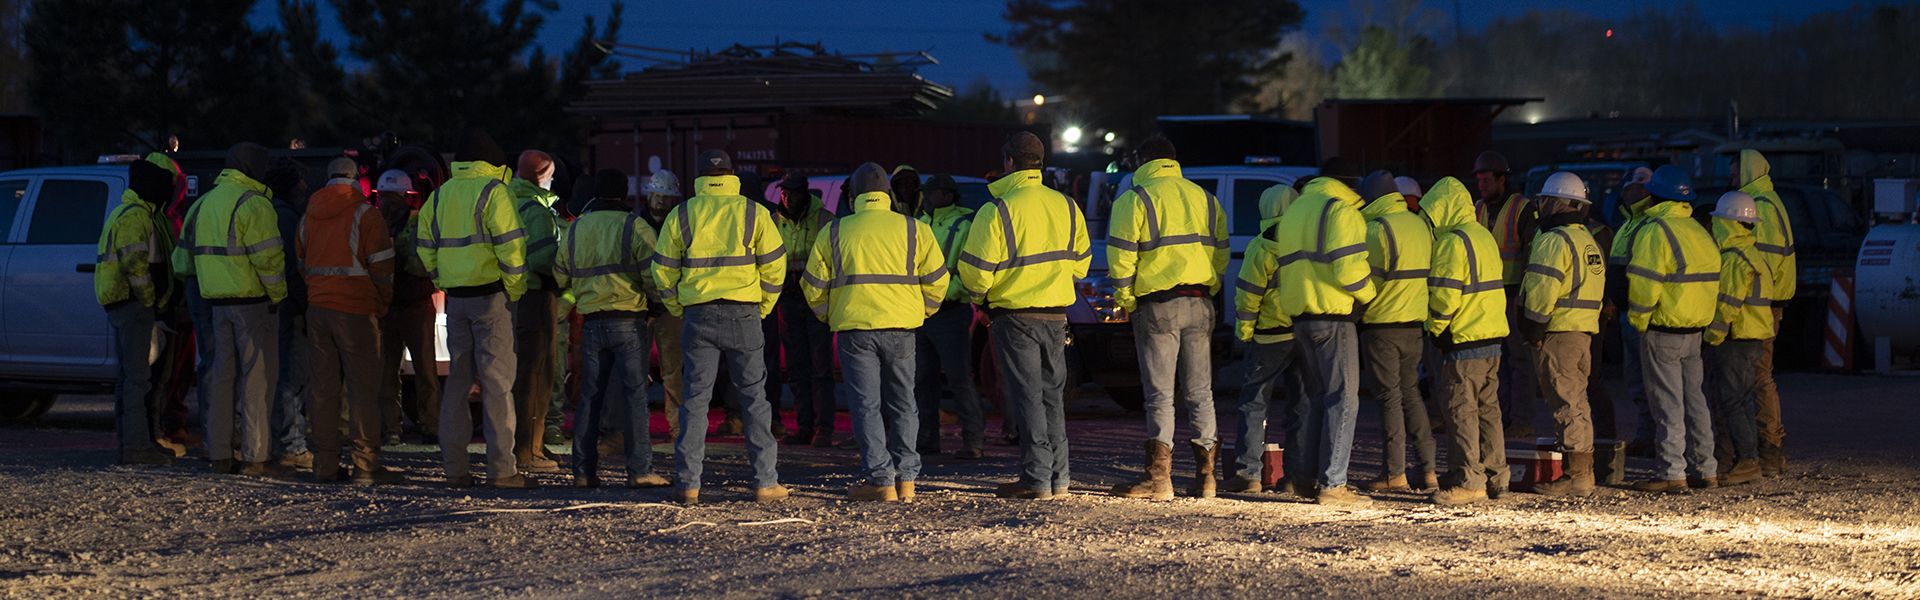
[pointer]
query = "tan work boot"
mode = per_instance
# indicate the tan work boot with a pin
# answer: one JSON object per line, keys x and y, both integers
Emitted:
{"x": 1341, "y": 496}
{"x": 1388, "y": 483}
{"x": 1241, "y": 485}
{"x": 1459, "y": 496}
{"x": 534, "y": 463}
{"x": 1061, "y": 493}
{"x": 904, "y": 489}
{"x": 873, "y": 493}
{"x": 1428, "y": 482}
{"x": 303, "y": 460}
{"x": 1578, "y": 480}
{"x": 1203, "y": 483}
{"x": 177, "y": 449}
{"x": 688, "y": 497}
{"x": 1670, "y": 486}
{"x": 1157, "y": 482}
{"x": 1743, "y": 472}
{"x": 648, "y": 480}
{"x": 1019, "y": 491}
{"x": 773, "y": 493}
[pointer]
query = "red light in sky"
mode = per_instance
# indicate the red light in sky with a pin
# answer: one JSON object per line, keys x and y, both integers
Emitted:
{"x": 1609, "y": 33}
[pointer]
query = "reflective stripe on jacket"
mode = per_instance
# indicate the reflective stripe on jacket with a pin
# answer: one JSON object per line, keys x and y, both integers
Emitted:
{"x": 1400, "y": 251}
{"x": 603, "y": 262}
{"x": 470, "y": 235}
{"x": 875, "y": 269}
{"x": 1256, "y": 305}
{"x": 950, "y": 226}
{"x": 1566, "y": 274}
{"x": 347, "y": 260}
{"x": 1774, "y": 235}
{"x": 1166, "y": 232}
{"x": 1674, "y": 273}
{"x": 1743, "y": 312}
{"x": 1026, "y": 248}
{"x": 133, "y": 252}
{"x": 1323, "y": 247}
{"x": 535, "y": 206}
{"x": 718, "y": 246}
{"x": 231, "y": 242}
{"x": 1466, "y": 296}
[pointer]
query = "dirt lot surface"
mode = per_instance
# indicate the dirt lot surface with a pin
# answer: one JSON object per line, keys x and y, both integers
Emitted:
{"x": 1843, "y": 523}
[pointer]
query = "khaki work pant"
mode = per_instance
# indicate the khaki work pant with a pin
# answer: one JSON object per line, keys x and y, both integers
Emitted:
{"x": 533, "y": 333}
{"x": 345, "y": 370}
{"x": 1765, "y": 393}
{"x": 666, "y": 336}
{"x": 1477, "y": 456}
{"x": 480, "y": 349}
{"x": 1564, "y": 360}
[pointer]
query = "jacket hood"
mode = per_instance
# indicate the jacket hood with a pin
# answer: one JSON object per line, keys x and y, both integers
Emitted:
{"x": 1730, "y": 234}
{"x": 333, "y": 201}
{"x": 235, "y": 177}
{"x": 483, "y": 170}
{"x": 1274, "y": 202}
{"x": 1448, "y": 204}
{"x": 1392, "y": 202}
{"x": 1751, "y": 167}
{"x": 1159, "y": 167}
{"x": 868, "y": 179}
{"x": 1334, "y": 190}
{"x": 716, "y": 185}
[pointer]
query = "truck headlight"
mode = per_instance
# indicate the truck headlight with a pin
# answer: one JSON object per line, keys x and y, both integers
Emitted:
{"x": 1098, "y": 294}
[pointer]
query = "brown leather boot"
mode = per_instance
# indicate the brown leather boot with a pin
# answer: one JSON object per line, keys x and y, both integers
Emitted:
{"x": 1742, "y": 472}
{"x": 1670, "y": 486}
{"x": 1157, "y": 482}
{"x": 1578, "y": 480}
{"x": 1428, "y": 481}
{"x": 1203, "y": 483}
{"x": 1387, "y": 483}
{"x": 1773, "y": 460}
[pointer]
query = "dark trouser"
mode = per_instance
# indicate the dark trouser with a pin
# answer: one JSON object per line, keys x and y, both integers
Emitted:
{"x": 612, "y": 348}
{"x": 239, "y": 380}
{"x": 1270, "y": 370}
{"x": 809, "y": 349}
{"x": 879, "y": 371}
{"x": 562, "y": 354}
{"x": 1520, "y": 400}
{"x": 135, "y": 408}
{"x": 408, "y": 329}
{"x": 1330, "y": 365}
{"x": 666, "y": 337}
{"x": 533, "y": 376}
{"x": 1736, "y": 383}
{"x": 1032, "y": 354}
{"x": 711, "y": 333}
{"x": 1605, "y": 419}
{"x": 1766, "y": 394}
{"x": 1392, "y": 359}
{"x": 290, "y": 383}
{"x": 945, "y": 349}
{"x": 1563, "y": 361}
{"x": 1630, "y": 368}
{"x": 480, "y": 350}
{"x": 202, "y": 314}
{"x": 1477, "y": 451}
{"x": 345, "y": 370}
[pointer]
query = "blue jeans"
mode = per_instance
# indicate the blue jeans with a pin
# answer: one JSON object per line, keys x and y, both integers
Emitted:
{"x": 1269, "y": 370}
{"x": 1736, "y": 381}
{"x": 709, "y": 334}
{"x": 290, "y": 387}
{"x": 1032, "y": 354}
{"x": 878, "y": 366}
{"x": 945, "y": 349}
{"x": 1175, "y": 343}
{"x": 1682, "y": 425}
{"x": 610, "y": 348}
{"x": 1330, "y": 364}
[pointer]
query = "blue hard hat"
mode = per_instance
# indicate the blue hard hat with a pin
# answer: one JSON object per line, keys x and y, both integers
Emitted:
{"x": 1670, "y": 182}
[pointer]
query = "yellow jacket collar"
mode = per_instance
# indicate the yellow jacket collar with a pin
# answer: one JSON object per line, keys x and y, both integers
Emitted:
{"x": 480, "y": 169}
{"x": 524, "y": 189}
{"x": 1156, "y": 168}
{"x": 1391, "y": 203}
{"x": 1728, "y": 234}
{"x": 1013, "y": 181}
{"x": 717, "y": 185}
{"x": 235, "y": 177}
{"x": 872, "y": 201}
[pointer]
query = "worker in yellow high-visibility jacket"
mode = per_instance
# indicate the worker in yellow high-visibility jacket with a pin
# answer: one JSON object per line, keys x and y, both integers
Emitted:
{"x": 1560, "y": 313}
{"x": 1400, "y": 250}
{"x": 133, "y": 283}
{"x": 1773, "y": 238}
{"x": 1672, "y": 280}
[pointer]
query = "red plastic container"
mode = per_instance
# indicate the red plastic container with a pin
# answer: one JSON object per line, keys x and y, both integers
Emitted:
{"x": 1533, "y": 467}
{"x": 1270, "y": 465}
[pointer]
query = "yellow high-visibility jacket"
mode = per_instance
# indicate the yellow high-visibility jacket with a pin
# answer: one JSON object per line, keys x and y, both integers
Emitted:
{"x": 950, "y": 226}
{"x": 231, "y": 242}
{"x": 535, "y": 206}
{"x": 1674, "y": 274}
{"x": 1400, "y": 250}
{"x": 1166, "y": 233}
{"x": 1743, "y": 312}
{"x": 134, "y": 250}
{"x": 602, "y": 262}
{"x": 1256, "y": 290}
{"x": 718, "y": 246}
{"x": 470, "y": 234}
{"x": 1566, "y": 275}
{"x": 1774, "y": 235}
{"x": 875, "y": 269}
{"x": 1466, "y": 295}
{"x": 797, "y": 233}
{"x": 1026, "y": 248}
{"x": 1326, "y": 239}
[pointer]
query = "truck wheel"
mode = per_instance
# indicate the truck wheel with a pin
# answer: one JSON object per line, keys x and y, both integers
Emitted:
{"x": 24, "y": 406}
{"x": 1130, "y": 397}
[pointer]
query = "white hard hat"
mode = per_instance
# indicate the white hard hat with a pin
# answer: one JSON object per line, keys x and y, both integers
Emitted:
{"x": 1565, "y": 185}
{"x": 1407, "y": 186}
{"x": 395, "y": 180}
{"x": 662, "y": 182}
{"x": 1736, "y": 206}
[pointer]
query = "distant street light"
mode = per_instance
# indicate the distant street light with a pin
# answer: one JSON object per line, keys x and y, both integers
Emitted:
{"x": 1109, "y": 137}
{"x": 1071, "y": 134}
{"x": 1039, "y": 100}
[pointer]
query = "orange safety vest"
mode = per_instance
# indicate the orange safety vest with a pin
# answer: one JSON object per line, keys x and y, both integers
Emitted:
{"x": 1508, "y": 236}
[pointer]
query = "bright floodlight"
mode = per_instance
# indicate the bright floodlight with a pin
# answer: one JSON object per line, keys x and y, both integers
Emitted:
{"x": 1109, "y": 137}
{"x": 1071, "y": 135}
{"x": 1039, "y": 100}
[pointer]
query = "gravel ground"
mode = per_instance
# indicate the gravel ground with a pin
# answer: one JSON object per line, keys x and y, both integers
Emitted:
{"x": 1843, "y": 523}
